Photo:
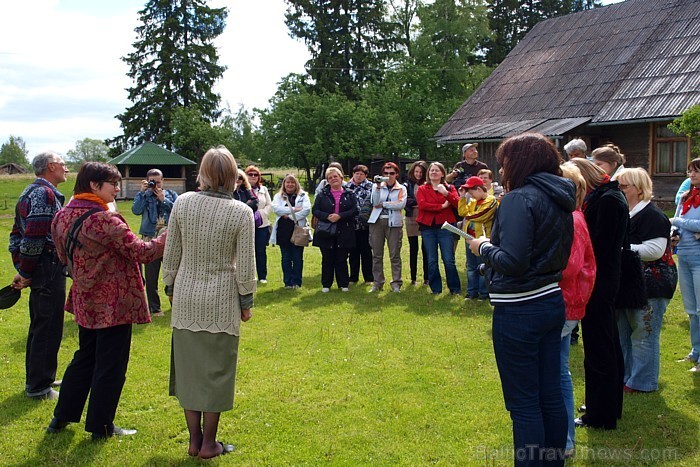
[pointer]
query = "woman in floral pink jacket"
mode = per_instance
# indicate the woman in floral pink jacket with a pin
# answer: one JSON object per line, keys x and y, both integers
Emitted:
{"x": 107, "y": 297}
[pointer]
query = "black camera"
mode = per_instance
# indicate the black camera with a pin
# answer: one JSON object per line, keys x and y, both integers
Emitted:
{"x": 482, "y": 269}
{"x": 151, "y": 184}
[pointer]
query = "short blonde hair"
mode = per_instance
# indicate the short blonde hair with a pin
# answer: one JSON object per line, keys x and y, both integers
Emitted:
{"x": 572, "y": 172}
{"x": 592, "y": 174}
{"x": 335, "y": 170}
{"x": 244, "y": 179}
{"x": 638, "y": 178}
{"x": 218, "y": 169}
{"x": 296, "y": 182}
{"x": 485, "y": 172}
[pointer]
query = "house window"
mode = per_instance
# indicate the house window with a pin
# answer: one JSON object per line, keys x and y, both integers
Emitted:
{"x": 670, "y": 151}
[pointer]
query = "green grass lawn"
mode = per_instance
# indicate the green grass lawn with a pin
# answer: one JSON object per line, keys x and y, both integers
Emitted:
{"x": 340, "y": 379}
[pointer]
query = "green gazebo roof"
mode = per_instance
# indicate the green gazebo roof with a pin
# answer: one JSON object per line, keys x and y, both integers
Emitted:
{"x": 150, "y": 154}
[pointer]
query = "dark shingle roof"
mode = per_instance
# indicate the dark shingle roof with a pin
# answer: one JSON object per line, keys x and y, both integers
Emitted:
{"x": 150, "y": 154}
{"x": 632, "y": 60}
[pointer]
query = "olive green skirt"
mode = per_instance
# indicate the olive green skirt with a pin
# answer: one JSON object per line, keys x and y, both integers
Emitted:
{"x": 203, "y": 370}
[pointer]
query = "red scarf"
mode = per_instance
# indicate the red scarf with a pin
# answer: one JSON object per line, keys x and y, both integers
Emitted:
{"x": 94, "y": 198}
{"x": 692, "y": 201}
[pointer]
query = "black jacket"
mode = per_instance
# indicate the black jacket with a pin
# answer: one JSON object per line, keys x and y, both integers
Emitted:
{"x": 532, "y": 235}
{"x": 607, "y": 217}
{"x": 324, "y": 205}
{"x": 411, "y": 201}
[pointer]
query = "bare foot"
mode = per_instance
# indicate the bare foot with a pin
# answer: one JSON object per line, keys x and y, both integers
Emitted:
{"x": 195, "y": 446}
{"x": 216, "y": 449}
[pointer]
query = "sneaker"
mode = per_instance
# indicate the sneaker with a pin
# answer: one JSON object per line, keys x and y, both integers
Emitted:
{"x": 345, "y": 289}
{"x": 325, "y": 290}
{"x": 695, "y": 369}
{"x": 289, "y": 286}
{"x": 396, "y": 289}
{"x": 263, "y": 281}
{"x": 375, "y": 289}
{"x": 686, "y": 359}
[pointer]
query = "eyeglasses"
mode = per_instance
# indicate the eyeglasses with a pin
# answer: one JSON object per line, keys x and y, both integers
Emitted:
{"x": 389, "y": 173}
{"x": 623, "y": 186}
{"x": 114, "y": 184}
{"x": 252, "y": 174}
{"x": 61, "y": 163}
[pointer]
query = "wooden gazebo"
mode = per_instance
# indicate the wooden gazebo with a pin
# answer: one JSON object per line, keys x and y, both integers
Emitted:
{"x": 136, "y": 162}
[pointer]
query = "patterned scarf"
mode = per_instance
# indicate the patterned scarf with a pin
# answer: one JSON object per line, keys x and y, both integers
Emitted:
{"x": 692, "y": 201}
{"x": 94, "y": 198}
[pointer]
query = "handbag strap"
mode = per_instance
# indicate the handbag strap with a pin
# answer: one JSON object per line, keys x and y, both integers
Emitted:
{"x": 294, "y": 216}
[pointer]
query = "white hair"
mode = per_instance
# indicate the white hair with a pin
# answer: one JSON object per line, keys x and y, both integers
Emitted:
{"x": 575, "y": 144}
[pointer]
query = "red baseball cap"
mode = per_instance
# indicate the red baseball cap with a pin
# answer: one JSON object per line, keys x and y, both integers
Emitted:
{"x": 473, "y": 182}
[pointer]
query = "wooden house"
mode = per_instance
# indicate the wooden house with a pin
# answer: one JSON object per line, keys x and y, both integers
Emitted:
{"x": 136, "y": 162}
{"x": 616, "y": 74}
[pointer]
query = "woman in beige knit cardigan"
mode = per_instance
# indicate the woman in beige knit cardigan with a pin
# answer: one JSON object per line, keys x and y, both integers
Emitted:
{"x": 210, "y": 260}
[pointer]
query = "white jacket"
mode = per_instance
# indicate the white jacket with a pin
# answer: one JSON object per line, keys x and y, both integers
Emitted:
{"x": 281, "y": 208}
{"x": 393, "y": 202}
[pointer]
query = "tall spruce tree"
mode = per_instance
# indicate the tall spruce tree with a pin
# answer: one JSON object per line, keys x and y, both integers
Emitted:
{"x": 174, "y": 64}
{"x": 350, "y": 41}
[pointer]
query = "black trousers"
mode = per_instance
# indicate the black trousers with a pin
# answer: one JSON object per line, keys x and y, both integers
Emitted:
{"x": 361, "y": 254}
{"x": 98, "y": 369}
{"x": 413, "y": 258}
{"x": 152, "y": 273}
{"x": 603, "y": 364}
{"x": 334, "y": 262}
{"x": 47, "y": 298}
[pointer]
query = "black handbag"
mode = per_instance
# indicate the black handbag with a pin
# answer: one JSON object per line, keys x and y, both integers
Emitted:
{"x": 326, "y": 229}
{"x": 632, "y": 293}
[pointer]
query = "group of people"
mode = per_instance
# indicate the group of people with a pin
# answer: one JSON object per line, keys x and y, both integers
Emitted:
{"x": 552, "y": 243}
{"x": 208, "y": 262}
{"x": 358, "y": 218}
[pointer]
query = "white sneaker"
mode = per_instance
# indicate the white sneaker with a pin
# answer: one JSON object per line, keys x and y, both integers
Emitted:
{"x": 325, "y": 290}
{"x": 263, "y": 281}
{"x": 396, "y": 289}
{"x": 345, "y": 289}
{"x": 375, "y": 289}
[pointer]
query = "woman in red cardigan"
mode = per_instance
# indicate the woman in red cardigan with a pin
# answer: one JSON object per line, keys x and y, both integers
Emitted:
{"x": 436, "y": 200}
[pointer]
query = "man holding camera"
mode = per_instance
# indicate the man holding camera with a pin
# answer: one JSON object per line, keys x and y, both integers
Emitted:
{"x": 468, "y": 167}
{"x": 154, "y": 204}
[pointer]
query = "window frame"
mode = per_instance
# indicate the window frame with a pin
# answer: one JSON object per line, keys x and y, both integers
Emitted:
{"x": 655, "y": 140}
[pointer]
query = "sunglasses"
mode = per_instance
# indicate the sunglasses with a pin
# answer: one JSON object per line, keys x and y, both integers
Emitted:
{"x": 389, "y": 173}
{"x": 252, "y": 174}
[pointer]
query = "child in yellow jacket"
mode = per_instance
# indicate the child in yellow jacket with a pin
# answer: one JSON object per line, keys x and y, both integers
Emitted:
{"x": 479, "y": 212}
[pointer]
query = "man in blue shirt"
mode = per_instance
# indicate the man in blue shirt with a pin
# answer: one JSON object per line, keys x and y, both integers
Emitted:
{"x": 153, "y": 204}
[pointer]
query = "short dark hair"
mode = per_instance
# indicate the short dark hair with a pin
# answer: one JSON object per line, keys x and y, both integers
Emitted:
{"x": 360, "y": 168}
{"x": 526, "y": 154}
{"x": 390, "y": 165}
{"x": 97, "y": 172}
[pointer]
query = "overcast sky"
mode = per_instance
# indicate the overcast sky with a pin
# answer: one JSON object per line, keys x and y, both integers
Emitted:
{"x": 62, "y": 80}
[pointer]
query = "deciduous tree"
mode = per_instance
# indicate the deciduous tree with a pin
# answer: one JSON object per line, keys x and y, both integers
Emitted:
{"x": 87, "y": 149}
{"x": 14, "y": 151}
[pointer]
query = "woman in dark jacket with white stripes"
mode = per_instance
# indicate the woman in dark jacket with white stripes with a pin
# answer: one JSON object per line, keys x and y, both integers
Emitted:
{"x": 338, "y": 206}
{"x": 528, "y": 249}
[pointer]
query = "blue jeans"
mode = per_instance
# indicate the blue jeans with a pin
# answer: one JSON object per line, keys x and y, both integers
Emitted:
{"x": 640, "y": 331}
{"x": 292, "y": 264}
{"x": 527, "y": 345}
{"x": 476, "y": 283}
{"x": 262, "y": 237}
{"x": 567, "y": 385}
{"x": 432, "y": 238}
{"x": 689, "y": 280}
